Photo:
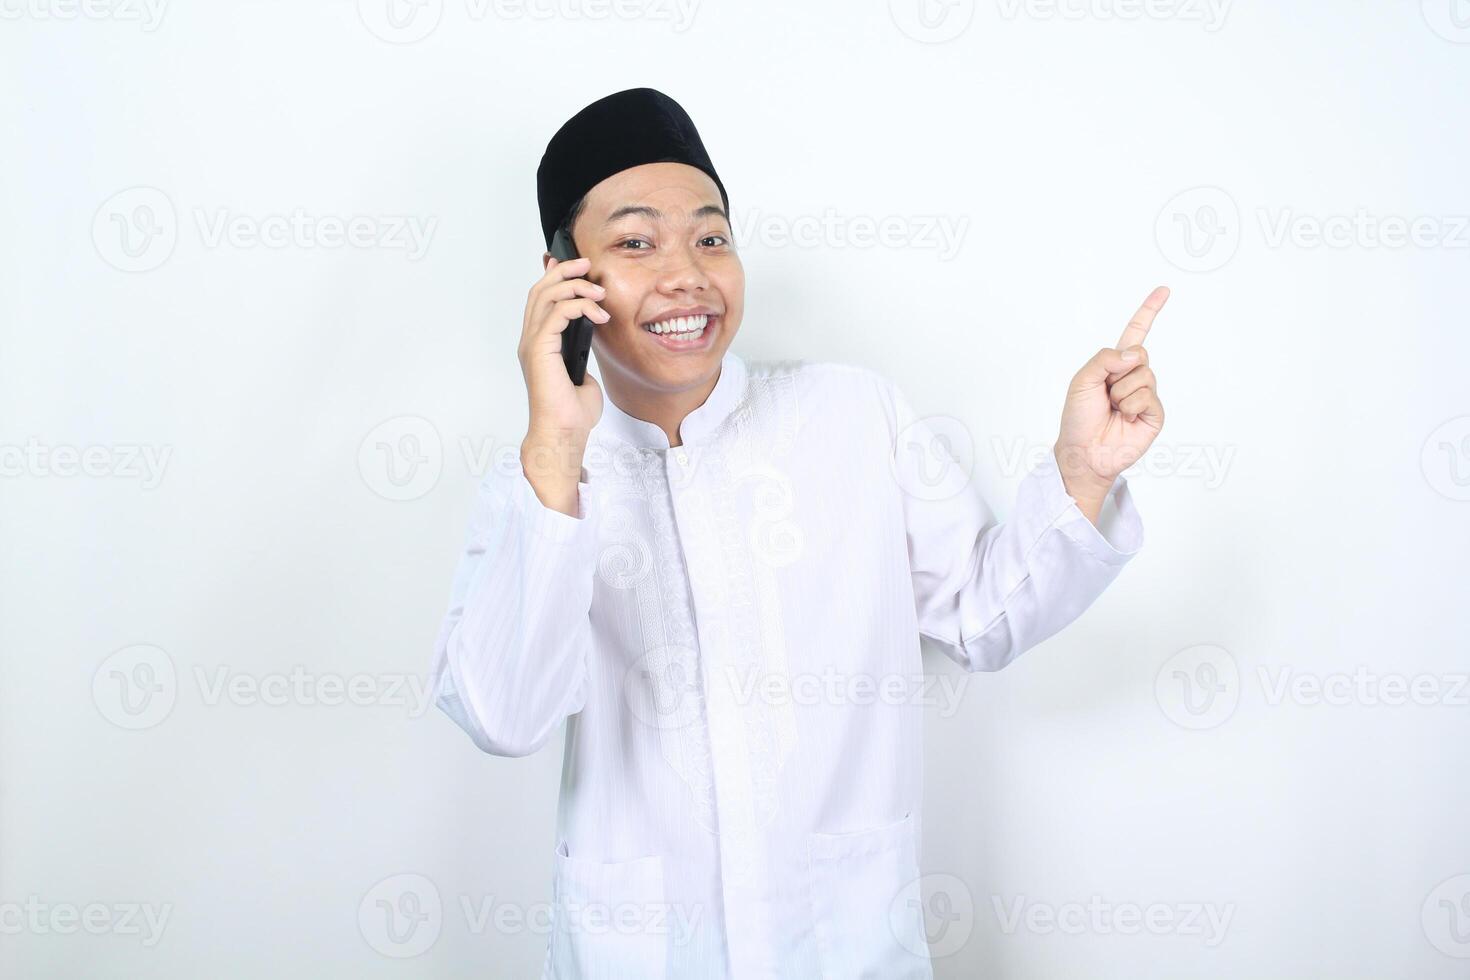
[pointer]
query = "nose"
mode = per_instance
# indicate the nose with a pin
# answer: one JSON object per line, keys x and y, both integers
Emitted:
{"x": 682, "y": 271}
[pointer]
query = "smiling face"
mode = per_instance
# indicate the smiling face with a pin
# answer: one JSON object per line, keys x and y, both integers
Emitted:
{"x": 660, "y": 244}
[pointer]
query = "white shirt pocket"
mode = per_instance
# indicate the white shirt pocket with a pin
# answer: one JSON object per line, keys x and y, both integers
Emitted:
{"x": 868, "y": 916}
{"x": 609, "y": 921}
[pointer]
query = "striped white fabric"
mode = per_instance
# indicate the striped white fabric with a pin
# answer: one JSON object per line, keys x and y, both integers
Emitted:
{"x": 730, "y": 629}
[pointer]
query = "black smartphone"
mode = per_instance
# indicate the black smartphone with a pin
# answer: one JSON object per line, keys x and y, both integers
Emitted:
{"x": 576, "y": 339}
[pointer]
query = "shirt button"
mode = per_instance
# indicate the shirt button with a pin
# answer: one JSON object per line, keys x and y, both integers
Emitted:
{"x": 681, "y": 457}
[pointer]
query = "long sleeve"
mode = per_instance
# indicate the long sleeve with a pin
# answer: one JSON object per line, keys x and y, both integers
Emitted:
{"x": 510, "y": 661}
{"x": 986, "y": 590}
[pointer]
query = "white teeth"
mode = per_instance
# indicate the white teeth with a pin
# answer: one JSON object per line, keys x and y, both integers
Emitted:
{"x": 691, "y": 325}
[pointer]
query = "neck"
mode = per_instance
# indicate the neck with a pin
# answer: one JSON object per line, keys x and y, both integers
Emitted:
{"x": 665, "y": 409}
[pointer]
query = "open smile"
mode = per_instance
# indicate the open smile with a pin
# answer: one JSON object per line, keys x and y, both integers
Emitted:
{"x": 684, "y": 333}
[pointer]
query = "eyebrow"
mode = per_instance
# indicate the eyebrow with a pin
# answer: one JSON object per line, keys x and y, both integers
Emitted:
{"x": 654, "y": 214}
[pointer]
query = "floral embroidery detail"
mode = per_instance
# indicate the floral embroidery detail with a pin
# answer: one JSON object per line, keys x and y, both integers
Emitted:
{"x": 700, "y": 579}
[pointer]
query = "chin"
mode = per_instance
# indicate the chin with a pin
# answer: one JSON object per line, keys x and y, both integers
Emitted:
{"x": 684, "y": 372}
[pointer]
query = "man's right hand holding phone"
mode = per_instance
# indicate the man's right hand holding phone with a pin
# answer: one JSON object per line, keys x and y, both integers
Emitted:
{"x": 561, "y": 414}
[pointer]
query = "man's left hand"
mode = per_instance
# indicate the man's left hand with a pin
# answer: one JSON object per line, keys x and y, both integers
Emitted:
{"x": 1112, "y": 413}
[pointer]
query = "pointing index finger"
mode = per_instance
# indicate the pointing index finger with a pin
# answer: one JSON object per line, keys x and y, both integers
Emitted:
{"x": 1138, "y": 327}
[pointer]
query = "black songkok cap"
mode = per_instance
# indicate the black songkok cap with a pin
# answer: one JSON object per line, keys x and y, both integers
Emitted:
{"x": 625, "y": 129}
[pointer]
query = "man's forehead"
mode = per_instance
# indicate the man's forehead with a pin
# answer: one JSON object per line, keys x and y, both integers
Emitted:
{"x": 665, "y": 215}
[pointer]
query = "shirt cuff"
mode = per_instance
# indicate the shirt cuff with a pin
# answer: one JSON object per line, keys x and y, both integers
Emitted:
{"x": 546, "y": 521}
{"x": 1117, "y": 536}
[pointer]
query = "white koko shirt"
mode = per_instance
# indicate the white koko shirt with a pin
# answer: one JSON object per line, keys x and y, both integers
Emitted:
{"x": 731, "y": 631}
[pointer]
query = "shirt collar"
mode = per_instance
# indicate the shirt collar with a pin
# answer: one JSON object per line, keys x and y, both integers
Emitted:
{"x": 698, "y": 425}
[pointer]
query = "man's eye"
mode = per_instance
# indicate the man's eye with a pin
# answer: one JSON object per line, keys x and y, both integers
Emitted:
{"x": 632, "y": 241}
{"x": 716, "y": 239}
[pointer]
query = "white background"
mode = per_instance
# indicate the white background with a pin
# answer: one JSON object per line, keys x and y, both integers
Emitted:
{"x": 1306, "y": 515}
